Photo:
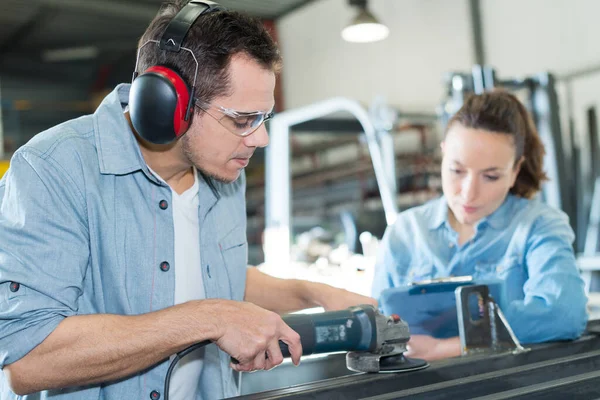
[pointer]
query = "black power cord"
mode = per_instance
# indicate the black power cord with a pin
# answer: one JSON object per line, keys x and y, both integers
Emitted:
{"x": 178, "y": 357}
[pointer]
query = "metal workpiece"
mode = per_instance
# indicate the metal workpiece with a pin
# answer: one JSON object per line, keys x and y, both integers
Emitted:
{"x": 484, "y": 330}
{"x": 547, "y": 371}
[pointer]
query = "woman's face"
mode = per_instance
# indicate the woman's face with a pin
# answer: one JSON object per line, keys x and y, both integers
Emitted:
{"x": 478, "y": 170}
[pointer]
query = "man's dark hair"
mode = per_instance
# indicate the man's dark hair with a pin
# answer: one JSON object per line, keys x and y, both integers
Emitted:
{"x": 214, "y": 38}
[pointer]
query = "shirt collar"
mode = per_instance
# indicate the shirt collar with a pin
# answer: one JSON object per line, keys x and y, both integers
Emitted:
{"x": 439, "y": 214}
{"x": 500, "y": 218}
{"x": 118, "y": 151}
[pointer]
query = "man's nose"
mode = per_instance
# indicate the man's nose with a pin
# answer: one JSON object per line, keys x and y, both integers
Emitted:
{"x": 258, "y": 138}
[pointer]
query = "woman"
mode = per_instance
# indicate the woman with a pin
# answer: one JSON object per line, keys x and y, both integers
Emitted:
{"x": 488, "y": 225}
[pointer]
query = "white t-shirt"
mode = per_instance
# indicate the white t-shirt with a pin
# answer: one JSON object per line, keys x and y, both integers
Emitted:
{"x": 188, "y": 283}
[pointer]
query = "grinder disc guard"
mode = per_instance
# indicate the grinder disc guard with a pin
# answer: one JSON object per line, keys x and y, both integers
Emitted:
{"x": 400, "y": 363}
{"x": 372, "y": 362}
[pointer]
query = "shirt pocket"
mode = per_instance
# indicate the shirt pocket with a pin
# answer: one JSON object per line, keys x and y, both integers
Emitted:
{"x": 510, "y": 271}
{"x": 234, "y": 251}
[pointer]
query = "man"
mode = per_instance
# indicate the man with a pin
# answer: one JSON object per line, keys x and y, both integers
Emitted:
{"x": 116, "y": 252}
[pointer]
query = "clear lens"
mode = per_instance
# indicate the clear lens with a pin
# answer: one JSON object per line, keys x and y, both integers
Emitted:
{"x": 239, "y": 123}
{"x": 242, "y": 125}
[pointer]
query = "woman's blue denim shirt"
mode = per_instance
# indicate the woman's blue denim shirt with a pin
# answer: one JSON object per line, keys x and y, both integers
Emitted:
{"x": 524, "y": 243}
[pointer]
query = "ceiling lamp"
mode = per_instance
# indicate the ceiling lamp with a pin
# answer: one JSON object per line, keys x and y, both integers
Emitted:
{"x": 365, "y": 27}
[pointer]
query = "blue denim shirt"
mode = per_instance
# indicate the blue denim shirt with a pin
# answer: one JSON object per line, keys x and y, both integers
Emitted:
{"x": 525, "y": 243}
{"x": 84, "y": 228}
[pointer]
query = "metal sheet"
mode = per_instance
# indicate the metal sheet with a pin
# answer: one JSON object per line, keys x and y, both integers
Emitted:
{"x": 505, "y": 376}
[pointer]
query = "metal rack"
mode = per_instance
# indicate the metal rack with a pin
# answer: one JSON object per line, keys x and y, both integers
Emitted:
{"x": 277, "y": 180}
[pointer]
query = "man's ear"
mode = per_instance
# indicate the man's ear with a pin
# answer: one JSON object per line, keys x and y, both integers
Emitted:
{"x": 443, "y": 146}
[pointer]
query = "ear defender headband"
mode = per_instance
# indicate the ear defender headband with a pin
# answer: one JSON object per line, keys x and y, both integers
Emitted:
{"x": 160, "y": 101}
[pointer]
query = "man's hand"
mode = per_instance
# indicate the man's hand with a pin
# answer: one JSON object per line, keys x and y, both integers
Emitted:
{"x": 251, "y": 335}
{"x": 431, "y": 349}
{"x": 332, "y": 299}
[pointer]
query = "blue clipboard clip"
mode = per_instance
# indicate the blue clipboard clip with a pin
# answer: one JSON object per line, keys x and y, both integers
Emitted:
{"x": 450, "y": 279}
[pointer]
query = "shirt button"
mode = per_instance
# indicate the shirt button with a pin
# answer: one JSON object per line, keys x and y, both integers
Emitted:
{"x": 154, "y": 395}
{"x": 163, "y": 204}
{"x": 165, "y": 266}
{"x": 451, "y": 245}
{"x": 15, "y": 286}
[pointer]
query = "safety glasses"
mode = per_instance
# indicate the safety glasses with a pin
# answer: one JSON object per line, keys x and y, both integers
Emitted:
{"x": 239, "y": 123}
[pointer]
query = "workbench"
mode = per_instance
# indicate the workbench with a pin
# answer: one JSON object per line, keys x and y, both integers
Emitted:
{"x": 560, "y": 370}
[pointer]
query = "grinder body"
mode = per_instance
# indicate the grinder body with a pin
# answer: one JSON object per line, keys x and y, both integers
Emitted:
{"x": 353, "y": 329}
{"x": 373, "y": 342}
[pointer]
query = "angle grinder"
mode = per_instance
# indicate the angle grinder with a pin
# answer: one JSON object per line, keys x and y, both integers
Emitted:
{"x": 374, "y": 342}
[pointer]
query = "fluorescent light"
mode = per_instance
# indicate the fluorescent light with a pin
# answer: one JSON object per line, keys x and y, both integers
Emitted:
{"x": 70, "y": 54}
{"x": 365, "y": 28}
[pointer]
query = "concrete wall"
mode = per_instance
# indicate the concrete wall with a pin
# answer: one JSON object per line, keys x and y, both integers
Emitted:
{"x": 428, "y": 37}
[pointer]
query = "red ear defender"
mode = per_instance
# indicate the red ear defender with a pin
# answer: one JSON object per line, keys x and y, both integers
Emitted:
{"x": 160, "y": 101}
{"x": 180, "y": 124}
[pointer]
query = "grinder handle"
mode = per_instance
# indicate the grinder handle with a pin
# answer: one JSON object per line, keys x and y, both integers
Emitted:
{"x": 304, "y": 325}
{"x": 285, "y": 351}
{"x": 282, "y": 346}
{"x": 360, "y": 331}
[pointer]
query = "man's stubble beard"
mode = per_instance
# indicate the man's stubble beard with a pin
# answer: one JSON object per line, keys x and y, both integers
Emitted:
{"x": 196, "y": 161}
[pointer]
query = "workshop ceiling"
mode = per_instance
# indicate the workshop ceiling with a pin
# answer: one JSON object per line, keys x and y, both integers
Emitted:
{"x": 96, "y": 38}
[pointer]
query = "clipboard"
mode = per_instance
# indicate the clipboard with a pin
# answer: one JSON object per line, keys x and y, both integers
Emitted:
{"x": 429, "y": 307}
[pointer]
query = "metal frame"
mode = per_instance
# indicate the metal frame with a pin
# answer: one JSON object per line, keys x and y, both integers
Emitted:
{"x": 558, "y": 191}
{"x": 477, "y": 31}
{"x": 590, "y": 260}
{"x": 278, "y": 174}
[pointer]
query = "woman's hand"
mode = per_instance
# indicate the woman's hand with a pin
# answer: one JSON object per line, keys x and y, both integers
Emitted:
{"x": 431, "y": 349}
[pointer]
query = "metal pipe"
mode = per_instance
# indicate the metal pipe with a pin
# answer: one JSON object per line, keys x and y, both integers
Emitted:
{"x": 277, "y": 180}
{"x": 477, "y": 31}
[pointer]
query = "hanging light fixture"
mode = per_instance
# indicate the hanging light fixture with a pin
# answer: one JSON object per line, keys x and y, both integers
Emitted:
{"x": 364, "y": 28}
